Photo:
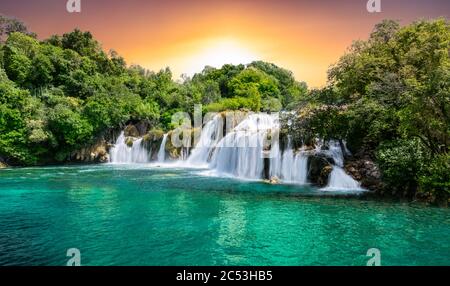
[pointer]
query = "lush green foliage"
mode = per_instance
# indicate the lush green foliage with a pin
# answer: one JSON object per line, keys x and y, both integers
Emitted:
{"x": 260, "y": 86}
{"x": 58, "y": 95}
{"x": 435, "y": 176}
{"x": 402, "y": 162}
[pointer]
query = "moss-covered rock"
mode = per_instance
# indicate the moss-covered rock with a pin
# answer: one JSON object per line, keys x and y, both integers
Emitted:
{"x": 129, "y": 141}
{"x": 153, "y": 135}
{"x": 152, "y": 141}
{"x": 131, "y": 131}
{"x": 173, "y": 151}
{"x": 142, "y": 127}
{"x": 176, "y": 152}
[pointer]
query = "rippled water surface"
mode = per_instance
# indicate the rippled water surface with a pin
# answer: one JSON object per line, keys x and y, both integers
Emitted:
{"x": 141, "y": 215}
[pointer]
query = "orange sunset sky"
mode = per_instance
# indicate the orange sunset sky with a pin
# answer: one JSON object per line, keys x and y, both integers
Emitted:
{"x": 303, "y": 36}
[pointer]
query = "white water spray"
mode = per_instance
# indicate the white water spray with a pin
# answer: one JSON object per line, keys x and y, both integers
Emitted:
{"x": 339, "y": 180}
{"x": 211, "y": 134}
{"x": 289, "y": 167}
{"x": 122, "y": 153}
{"x": 162, "y": 150}
{"x": 240, "y": 152}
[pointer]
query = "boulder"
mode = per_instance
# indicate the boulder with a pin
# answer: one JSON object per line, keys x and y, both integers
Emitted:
{"x": 153, "y": 135}
{"x": 274, "y": 180}
{"x": 131, "y": 131}
{"x": 3, "y": 165}
{"x": 366, "y": 172}
{"x": 152, "y": 142}
{"x": 100, "y": 154}
{"x": 129, "y": 141}
{"x": 182, "y": 151}
{"x": 319, "y": 169}
{"x": 96, "y": 153}
{"x": 142, "y": 127}
{"x": 174, "y": 152}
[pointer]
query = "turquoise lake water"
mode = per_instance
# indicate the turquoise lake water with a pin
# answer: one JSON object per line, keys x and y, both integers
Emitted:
{"x": 118, "y": 215}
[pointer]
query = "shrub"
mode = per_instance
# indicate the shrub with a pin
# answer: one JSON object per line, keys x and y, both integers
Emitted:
{"x": 435, "y": 176}
{"x": 401, "y": 162}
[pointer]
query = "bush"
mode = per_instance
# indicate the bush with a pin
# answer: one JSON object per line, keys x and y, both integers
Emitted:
{"x": 435, "y": 176}
{"x": 401, "y": 163}
{"x": 69, "y": 126}
{"x": 271, "y": 104}
{"x": 235, "y": 103}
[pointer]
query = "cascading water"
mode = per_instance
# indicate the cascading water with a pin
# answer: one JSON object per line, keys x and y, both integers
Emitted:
{"x": 240, "y": 152}
{"x": 339, "y": 180}
{"x": 122, "y": 153}
{"x": 184, "y": 153}
{"x": 162, "y": 150}
{"x": 211, "y": 134}
{"x": 289, "y": 167}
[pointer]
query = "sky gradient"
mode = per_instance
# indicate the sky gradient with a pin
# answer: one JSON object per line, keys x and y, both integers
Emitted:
{"x": 303, "y": 36}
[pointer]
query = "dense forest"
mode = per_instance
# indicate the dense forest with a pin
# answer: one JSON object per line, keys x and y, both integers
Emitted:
{"x": 388, "y": 97}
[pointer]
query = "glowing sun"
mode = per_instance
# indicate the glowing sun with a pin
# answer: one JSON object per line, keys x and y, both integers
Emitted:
{"x": 216, "y": 53}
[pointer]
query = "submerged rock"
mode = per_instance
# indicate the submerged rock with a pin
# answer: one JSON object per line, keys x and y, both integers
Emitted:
{"x": 273, "y": 181}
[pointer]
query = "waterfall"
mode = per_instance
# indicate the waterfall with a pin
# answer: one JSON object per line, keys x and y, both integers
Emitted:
{"x": 184, "y": 153}
{"x": 240, "y": 152}
{"x": 295, "y": 169}
{"x": 211, "y": 134}
{"x": 287, "y": 161}
{"x": 122, "y": 153}
{"x": 289, "y": 167}
{"x": 244, "y": 153}
{"x": 338, "y": 178}
{"x": 275, "y": 160}
{"x": 162, "y": 150}
{"x": 335, "y": 152}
